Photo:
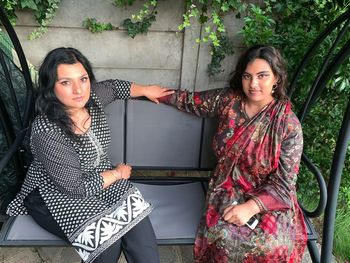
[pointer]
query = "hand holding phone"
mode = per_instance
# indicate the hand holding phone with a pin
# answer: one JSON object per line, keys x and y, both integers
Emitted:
{"x": 252, "y": 222}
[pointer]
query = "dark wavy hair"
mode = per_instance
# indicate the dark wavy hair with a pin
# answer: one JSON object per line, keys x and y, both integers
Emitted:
{"x": 47, "y": 102}
{"x": 273, "y": 57}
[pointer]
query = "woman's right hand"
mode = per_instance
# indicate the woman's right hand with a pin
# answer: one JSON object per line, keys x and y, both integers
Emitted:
{"x": 124, "y": 170}
{"x": 151, "y": 92}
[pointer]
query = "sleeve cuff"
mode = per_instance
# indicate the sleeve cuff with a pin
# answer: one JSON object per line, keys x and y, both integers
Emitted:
{"x": 122, "y": 89}
{"x": 95, "y": 185}
{"x": 259, "y": 203}
{"x": 165, "y": 99}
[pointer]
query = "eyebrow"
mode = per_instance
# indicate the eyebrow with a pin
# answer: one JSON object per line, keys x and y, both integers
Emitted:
{"x": 67, "y": 78}
{"x": 260, "y": 72}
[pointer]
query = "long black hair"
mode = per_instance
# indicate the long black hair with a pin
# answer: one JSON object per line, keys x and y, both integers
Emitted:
{"x": 47, "y": 102}
{"x": 273, "y": 57}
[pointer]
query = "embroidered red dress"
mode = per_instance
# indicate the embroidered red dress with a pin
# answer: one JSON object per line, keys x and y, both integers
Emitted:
{"x": 258, "y": 159}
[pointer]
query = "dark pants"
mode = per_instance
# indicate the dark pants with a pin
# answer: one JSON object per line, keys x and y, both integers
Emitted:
{"x": 138, "y": 245}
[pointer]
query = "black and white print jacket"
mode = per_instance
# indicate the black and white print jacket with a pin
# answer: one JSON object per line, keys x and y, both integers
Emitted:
{"x": 67, "y": 174}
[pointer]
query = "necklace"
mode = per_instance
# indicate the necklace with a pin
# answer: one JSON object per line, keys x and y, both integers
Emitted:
{"x": 80, "y": 125}
{"x": 87, "y": 131}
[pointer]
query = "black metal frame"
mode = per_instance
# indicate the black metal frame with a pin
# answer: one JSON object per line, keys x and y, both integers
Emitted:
{"x": 24, "y": 66}
{"x": 15, "y": 142}
{"x": 4, "y": 241}
{"x": 328, "y": 193}
{"x": 330, "y": 65}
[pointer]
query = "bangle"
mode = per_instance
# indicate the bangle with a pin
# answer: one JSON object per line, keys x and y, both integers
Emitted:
{"x": 259, "y": 204}
{"x": 116, "y": 174}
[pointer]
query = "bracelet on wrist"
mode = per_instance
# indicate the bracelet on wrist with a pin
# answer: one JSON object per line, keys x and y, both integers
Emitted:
{"x": 116, "y": 174}
{"x": 259, "y": 204}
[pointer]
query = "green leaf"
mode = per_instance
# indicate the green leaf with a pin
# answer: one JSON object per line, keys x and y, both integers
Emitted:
{"x": 342, "y": 85}
{"x": 28, "y": 4}
{"x": 225, "y": 7}
{"x": 216, "y": 18}
{"x": 123, "y": 2}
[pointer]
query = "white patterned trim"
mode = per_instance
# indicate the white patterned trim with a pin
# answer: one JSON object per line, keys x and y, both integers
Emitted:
{"x": 103, "y": 232}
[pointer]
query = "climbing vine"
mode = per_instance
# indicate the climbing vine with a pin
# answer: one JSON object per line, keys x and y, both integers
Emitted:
{"x": 209, "y": 14}
{"x": 141, "y": 22}
{"x": 44, "y": 11}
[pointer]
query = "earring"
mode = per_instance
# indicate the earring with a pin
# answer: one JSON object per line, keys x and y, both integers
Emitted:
{"x": 274, "y": 87}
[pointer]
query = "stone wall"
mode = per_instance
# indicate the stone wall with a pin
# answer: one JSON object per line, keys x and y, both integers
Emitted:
{"x": 164, "y": 56}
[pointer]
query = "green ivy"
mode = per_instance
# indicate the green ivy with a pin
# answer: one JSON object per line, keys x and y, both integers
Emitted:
{"x": 43, "y": 10}
{"x": 219, "y": 53}
{"x": 141, "y": 22}
{"x": 210, "y": 14}
{"x": 123, "y": 2}
{"x": 97, "y": 27}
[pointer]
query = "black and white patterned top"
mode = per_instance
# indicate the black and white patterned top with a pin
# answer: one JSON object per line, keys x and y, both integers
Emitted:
{"x": 67, "y": 173}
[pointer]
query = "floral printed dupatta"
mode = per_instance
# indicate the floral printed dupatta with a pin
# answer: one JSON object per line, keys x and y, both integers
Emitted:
{"x": 253, "y": 153}
{"x": 252, "y": 167}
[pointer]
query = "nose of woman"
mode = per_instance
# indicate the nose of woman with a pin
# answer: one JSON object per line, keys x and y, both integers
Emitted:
{"x": 254, "y": 82}
{"x": 77, "y": 89}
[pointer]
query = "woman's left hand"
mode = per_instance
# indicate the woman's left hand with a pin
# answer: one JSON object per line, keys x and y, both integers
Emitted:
{"x": 152, "y": 92}
{"x": 236, "y": 214}
{"x": 241, "y": 213}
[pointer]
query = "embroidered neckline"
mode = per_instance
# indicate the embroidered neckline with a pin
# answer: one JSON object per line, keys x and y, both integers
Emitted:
{"x": 95, "y": 142}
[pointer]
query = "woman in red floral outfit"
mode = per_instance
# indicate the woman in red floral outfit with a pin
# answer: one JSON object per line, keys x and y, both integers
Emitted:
{"x": 258, "y": 145}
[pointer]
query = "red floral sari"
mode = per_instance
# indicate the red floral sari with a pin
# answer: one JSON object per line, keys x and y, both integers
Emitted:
{"x": 258, "y": 159}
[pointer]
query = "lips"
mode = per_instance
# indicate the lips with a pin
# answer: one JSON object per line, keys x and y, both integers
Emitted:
{"x": 254, "y": 91}
{"x": 78, "y": 99}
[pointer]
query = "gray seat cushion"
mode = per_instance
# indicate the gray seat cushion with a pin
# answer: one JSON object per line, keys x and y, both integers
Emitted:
{"x": 177, "y": 211}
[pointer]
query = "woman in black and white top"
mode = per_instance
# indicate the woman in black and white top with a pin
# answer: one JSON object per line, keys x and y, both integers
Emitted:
{"x": 71, "y": 188}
